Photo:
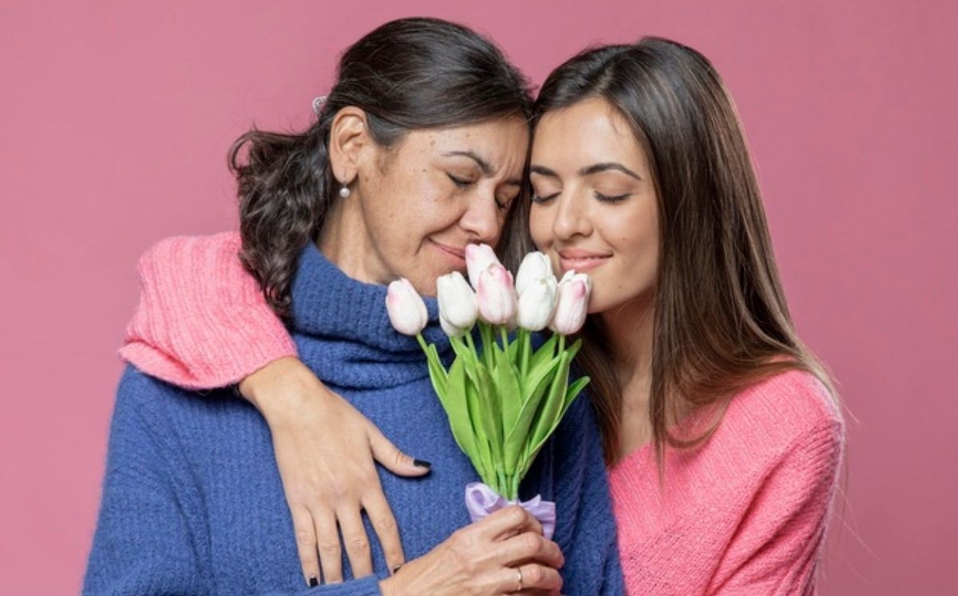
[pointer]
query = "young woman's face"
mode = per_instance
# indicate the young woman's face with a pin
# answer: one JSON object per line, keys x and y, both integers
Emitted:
{"x": 594, "y": 207}
{"x": 425, "y": 198}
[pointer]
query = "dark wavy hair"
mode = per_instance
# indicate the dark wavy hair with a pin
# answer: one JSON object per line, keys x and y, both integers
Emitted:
{"x": 408, "y": 74}
{"x": 721, "y": 322}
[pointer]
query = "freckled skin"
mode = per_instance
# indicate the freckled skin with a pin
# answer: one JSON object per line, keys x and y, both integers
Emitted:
{"x": 405, "y": 205}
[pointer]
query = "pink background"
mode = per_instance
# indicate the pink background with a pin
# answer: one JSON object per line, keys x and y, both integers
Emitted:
{"x": 115, "y": 120}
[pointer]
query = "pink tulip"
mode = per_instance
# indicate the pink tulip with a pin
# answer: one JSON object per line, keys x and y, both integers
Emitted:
{"x": 496, "y": 295}
{"x": 407, "y": 311}
{"x": 479, "y": 257}
{"x": 572, "y": 303}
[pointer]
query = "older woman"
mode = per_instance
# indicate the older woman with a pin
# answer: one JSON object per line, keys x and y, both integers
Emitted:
{"x": 375, "y": 189}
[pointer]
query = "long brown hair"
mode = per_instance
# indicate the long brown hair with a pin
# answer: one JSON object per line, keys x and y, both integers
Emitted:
{"x": 721, "y": 322}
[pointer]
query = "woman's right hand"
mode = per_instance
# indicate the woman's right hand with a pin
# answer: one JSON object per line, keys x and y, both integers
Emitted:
{"x": 325, "y": 450}
{"x": 504, "y": 553}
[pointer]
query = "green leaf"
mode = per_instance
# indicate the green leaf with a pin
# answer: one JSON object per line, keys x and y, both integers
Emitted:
{"x": 546, "y": 352}
{"x": 489, "y": 406}
{"x": 457, "y": 410}
{"x": 518, "y": 436}
{"x": 511, "y": 401}
{"x": 575, "y": 388}
{"x": 481, "y": 457}
{"x": 550, "y": 415}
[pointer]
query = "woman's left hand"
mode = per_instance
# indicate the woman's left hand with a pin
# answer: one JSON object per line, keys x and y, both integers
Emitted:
{"x": 326, "y": 452}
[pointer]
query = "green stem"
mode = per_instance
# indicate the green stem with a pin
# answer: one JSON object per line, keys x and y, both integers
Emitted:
{"x": 472, "y": 345}
{"x": 487, "y": 344}
{"x": 505, "y": 338}
{"x": 525, "y": 346}
{"x": 422, "y": 343}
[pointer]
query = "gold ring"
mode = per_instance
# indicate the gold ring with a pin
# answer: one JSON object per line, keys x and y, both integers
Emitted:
{"x": 519, "y": 579}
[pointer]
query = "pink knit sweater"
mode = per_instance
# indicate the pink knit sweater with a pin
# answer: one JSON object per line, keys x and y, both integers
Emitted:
{"x": 744, "y": 514}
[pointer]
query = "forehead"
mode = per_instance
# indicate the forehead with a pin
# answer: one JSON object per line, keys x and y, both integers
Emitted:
{"x": 502, "y": 141}
{"x": 587, "y": 132}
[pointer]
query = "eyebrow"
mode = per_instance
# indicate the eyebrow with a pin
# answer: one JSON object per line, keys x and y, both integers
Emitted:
{"x": 487, "y": 169}
{"x": 587, "y": 171}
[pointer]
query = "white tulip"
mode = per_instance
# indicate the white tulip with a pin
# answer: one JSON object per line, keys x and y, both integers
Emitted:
{"x": 407, "y": 311}
{"x": 537, "y": 303}
{"x": 450, "y": 329}
{"x": 535, "y": 266}
{"x": 457, "y": 301}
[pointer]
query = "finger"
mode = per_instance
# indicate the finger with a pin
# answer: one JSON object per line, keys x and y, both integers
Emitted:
{"x": 530, "y": 547}
{"x": 330, "y": 551}
{"x": 508, "y": 522}
{"x": 356, "y": 541}
{"x": 533, "y": 578}
{"x": 306, "y": 544}
{"x": 392, "y": 458}
{"x": 381, "y": 516}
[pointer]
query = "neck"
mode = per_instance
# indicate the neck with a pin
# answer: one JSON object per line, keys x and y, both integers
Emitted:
{"x": 628, "y": 331}
{"x": 344, "y": 242}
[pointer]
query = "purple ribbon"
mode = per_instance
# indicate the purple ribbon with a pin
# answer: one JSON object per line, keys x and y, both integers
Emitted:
{"x": 482, "y": 501}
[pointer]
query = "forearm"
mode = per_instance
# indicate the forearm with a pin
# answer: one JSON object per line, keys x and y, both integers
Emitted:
{"x": 202, "y": 320}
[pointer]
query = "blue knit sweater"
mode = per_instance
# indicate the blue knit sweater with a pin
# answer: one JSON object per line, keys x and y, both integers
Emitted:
{"x": 193, "y": 502}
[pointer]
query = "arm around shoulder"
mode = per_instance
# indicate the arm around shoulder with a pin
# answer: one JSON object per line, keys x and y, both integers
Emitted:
{"x": 202, "y": 321}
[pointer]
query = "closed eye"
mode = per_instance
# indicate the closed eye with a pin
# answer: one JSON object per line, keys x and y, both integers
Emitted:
{"x": 611, "y": 198}
{"x": 459, "y": 182}
{"x": 537, "y": 199}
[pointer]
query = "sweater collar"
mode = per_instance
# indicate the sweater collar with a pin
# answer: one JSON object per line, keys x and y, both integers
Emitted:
{"x": 349, "y": 321}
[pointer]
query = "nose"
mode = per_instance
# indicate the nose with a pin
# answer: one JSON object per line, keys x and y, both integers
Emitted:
{"x": 482, "y": 218}
{"x": 571, "y": 217}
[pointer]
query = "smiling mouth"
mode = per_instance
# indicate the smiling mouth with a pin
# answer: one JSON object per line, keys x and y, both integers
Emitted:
{"x": 581, "y": 262}
{"x": 458, "y": 253}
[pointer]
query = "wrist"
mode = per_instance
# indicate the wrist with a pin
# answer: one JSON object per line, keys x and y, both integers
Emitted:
{"x": 273, "y": 389}
{"x": 391, "y": 586}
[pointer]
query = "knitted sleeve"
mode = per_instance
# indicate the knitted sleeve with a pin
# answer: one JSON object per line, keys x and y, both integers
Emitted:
{"x": 152, "y": 531}
{"x": 585, "y": 524}
{"x": 777, "y": 548}
{"x": 202, "y": 321}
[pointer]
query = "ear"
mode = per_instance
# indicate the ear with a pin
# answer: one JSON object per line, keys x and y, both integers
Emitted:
{"x": 348, "y": 137}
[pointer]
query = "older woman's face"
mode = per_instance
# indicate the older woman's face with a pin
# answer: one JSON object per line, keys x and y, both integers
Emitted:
{"x": 595, "y": 207}
{"x": 424, "y": 199}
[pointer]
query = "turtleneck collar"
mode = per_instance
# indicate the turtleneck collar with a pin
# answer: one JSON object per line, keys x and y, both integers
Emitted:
{"x": 344, "y": 331}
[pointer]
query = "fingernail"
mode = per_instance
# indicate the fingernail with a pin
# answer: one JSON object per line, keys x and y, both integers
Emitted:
{"x": 419, "y": 463}
{"x": 313, "y": 582}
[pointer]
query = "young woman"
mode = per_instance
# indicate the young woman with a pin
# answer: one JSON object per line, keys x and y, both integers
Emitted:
{"x": 193, "y": 502}
{"x": 721, "y": 430}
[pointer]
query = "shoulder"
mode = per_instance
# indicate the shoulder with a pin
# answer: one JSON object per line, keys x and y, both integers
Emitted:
{"x": 179, "y": 249}
{"x": 156, "y": 403}
{"x": 783, "y": 413}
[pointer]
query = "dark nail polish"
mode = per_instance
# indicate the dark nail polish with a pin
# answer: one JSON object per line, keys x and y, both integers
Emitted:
{"x": 313, "y": 582}
{"x": 422, "y": 464}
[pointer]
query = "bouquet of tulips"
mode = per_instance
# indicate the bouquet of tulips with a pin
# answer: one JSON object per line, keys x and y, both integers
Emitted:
{"x": 505, "y": 399}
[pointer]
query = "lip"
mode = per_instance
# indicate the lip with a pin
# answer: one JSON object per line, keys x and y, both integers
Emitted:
{"x": 581, "y": 260}
{"x": 457, "y": 253}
